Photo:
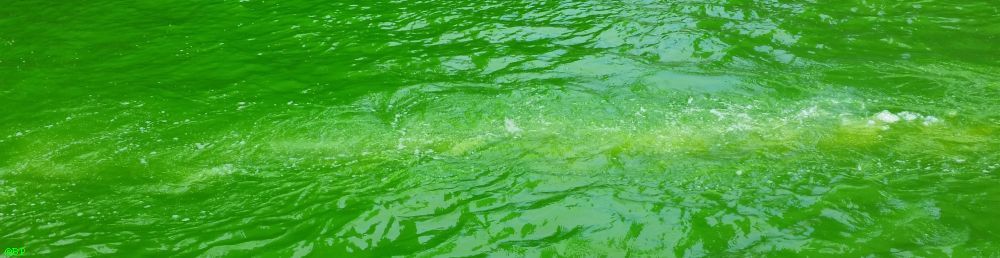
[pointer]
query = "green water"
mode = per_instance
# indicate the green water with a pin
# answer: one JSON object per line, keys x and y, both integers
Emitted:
{"x": 500, "y": 128}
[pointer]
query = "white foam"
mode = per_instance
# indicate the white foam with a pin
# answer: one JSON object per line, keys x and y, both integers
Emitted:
{"x": 808, "y": 112}
{"x": 510, "y": 126}
{"x": 717, "y": 113}
{"x": 909, "y": 116}
{"x": 928, "y": 120}
{"x": 887, "y": 117}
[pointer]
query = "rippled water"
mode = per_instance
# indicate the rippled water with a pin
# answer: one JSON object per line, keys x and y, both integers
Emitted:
{"x": 507, "y": 128}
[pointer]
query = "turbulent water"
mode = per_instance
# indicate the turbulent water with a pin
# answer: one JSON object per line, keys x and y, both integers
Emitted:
{"x": 501, "y": 128}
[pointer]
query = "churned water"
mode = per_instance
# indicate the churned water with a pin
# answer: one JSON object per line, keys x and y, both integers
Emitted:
{"x": 501, "y": 128}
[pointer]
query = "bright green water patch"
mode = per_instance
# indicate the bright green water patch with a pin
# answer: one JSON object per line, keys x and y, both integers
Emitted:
{"x": 450, "y": 128}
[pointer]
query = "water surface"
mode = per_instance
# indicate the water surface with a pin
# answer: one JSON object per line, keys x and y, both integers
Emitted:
{"x": 500, "y": 128}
